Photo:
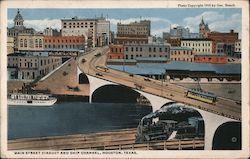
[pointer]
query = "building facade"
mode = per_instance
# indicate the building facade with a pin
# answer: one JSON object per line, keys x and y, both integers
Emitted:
{"x": 116, "y": 51}
{"x": 64, "y": 43}
{"x": 174, "y": 41}
{"x": 229, "y": 38}
{"x": 30, "y": 66}
{"x": 180, "y": 32}
{"x": 181, "y": 54}
{"x": 198, "y": 45}
{"x": 210, "y": 58}
{"x": 88, "y": 28}
{"x": 130, "y": 40}
{"x": 133, "y": 51}
{"x": 30, "y": 42}
{"x": 51, "y": 32}
{"x": 134, "y": 29}
{"x": 203, "y": 29}
{"x": 10, "y": 45}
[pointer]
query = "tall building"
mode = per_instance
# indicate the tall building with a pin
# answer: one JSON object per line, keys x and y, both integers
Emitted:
{"x": 18, "y": 28}
{"x": 133, "y": 33}
{"x": 203, "y": 29}
{"x": 180, "y": 32}
{"x": 51, "y": 32}
{"x": 91, "y": 29}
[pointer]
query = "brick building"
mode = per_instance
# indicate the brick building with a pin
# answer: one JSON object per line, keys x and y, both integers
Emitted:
{"x": 181, "y": 54}
{"x": 219, "y": 39}
{"x": 116, "y": 51}
{"x": 174, "y": 41}
{"x": 210, "y": 58}
{"x": 30, "y": 42}
{"x": 64, "y": 43}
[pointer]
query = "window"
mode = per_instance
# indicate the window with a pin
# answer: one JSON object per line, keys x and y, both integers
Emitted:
{"x": 154, "y": 49}
{"x": 166, "y": 49}
{"x": 25, "y": 43}
{"x": 132, "y": 49}
{"x": 126, "y": 48}
{"x": 21, "y": 42}
{"x": 149, "y": 49}
{"x": 36, "y": 43}
{"x": 160, "y": 49}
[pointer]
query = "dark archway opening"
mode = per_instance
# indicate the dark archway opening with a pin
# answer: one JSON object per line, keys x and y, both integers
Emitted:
{"x": 227, "y": 137}
{"x": 83, "y": 79}
{"x": 118, "y": 94}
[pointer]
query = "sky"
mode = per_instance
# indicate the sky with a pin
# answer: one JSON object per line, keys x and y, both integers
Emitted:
{"x": 218, "y": 19}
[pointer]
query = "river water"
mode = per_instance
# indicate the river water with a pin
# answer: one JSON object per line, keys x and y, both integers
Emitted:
{"x": 72, "y": 118}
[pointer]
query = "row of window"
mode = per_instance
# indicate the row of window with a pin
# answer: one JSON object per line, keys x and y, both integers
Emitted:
{"x": 150, "y": 49}
{"x": 181, "y": 52}
{"x": 209, "y": 58}
{"x": 78, "y": 26}
{"x": 182, "y": 59}
{"x": 116, "y": 50}
{"x": 24, "y": 43}
{"x": 63, "y": 46}
{"x": 195, "y": 44}
{"x": 62, "y": 40}
{"x": 78, "y": 23}
{"x": 140, "y": 55}
{"x": 201, "y": 50}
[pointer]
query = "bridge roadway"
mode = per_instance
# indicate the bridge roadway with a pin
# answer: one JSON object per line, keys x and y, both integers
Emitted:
{"x": 123, "y": 139}
{"x": 224, "y": 107}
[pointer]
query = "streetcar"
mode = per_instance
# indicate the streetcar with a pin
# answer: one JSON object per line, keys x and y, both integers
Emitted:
{"x": 104, "y": 69}
{"x": 200, "y": 95}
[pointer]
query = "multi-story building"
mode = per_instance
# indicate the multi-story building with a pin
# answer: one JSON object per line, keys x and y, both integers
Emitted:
{"x": 51, "y": 32}
{"x": 31, "y": 65}
{"x": 135, "y": 32}
{"x": 210, "y": 58}
{"x": 134, "y": 29}
{"x": 174, "y": 41}
{"x": 10, "y": 45}
{"x": 222, "y": 38}
{"x": 18, "y": 28}
{"x": 30, "y": 42}
{"x": 102, "y": 32}
{"x": 237, "y": 49}
{"x": 180, "y": 32}
{"x": 181, "y": 54}
{"x": 133, "y": 51}
{"x": 116, "y": 51}
{"x": 64, "y": 43}
{"x": 203, "y": 29}
{"x": 88, "y": 28}
{"x": 198, "y": 45}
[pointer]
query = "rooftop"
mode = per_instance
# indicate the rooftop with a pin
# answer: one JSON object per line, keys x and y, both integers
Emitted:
{"x": 180, "y": 48}
{"x": 195, "y": 39}
{"x": 208, "y": 54}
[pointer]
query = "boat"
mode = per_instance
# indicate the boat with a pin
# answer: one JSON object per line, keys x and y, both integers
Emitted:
{"x": 31, "y": 99}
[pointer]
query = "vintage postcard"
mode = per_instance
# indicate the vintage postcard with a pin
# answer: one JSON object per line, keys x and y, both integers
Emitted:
{"x": 124, "y": 79}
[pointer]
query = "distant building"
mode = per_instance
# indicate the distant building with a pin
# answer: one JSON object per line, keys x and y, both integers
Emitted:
{"x": 64, "y": 43}
{"x": 10, "y": 45}
{"x": 203, "y": 29}
{"x": 210, "y": 58}
{"x": 150, "y": 51}
{"x": 116, "y": 51}
{"x": 135, "y": 32}
{"x": 237, "y": 49}
{"x": 198, "y": 45}
{"x": 96, "y": 30}
{"x": 180, "y": 32}
{"x": 229, "y": 38}
{"x": 30, "y": 42}
{"x": 18, "y": 28}
{"x": 181, "y": 54}
{"x": 51, "y": 32}
{"x": 174, "y": 41}
{"x": 134, "y": 29}
{"x": 29, "y": 66}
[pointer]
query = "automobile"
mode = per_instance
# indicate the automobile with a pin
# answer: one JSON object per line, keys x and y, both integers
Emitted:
{"x": 97, "y": 54}
{"x": 146, "y": 79}
{"x": 131, "y": 75}
{"x": 98, "y": 74}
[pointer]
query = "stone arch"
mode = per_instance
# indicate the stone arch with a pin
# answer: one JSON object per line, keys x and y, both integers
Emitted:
{"x": 228, "y": 136}
{"x": 83, "y": 79}
{"x": 118, "y": 94}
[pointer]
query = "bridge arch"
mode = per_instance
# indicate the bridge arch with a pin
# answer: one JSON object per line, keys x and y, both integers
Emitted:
{"x": 228, "y": 136}
{"x": 83, "y": 79}
{"x": 118, "y": 94}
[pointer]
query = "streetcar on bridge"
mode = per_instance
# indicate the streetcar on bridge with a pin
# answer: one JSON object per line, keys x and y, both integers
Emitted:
{"x": 200, "y": 95}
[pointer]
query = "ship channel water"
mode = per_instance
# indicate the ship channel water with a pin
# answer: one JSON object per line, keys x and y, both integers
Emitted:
{"x": 72, "y": 118}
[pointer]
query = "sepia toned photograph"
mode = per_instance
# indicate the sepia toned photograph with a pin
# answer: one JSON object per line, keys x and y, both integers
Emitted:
{"x": 124, "y": 81}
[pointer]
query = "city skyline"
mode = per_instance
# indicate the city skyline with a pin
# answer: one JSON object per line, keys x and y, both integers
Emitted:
{"x": 161, "y": 19}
